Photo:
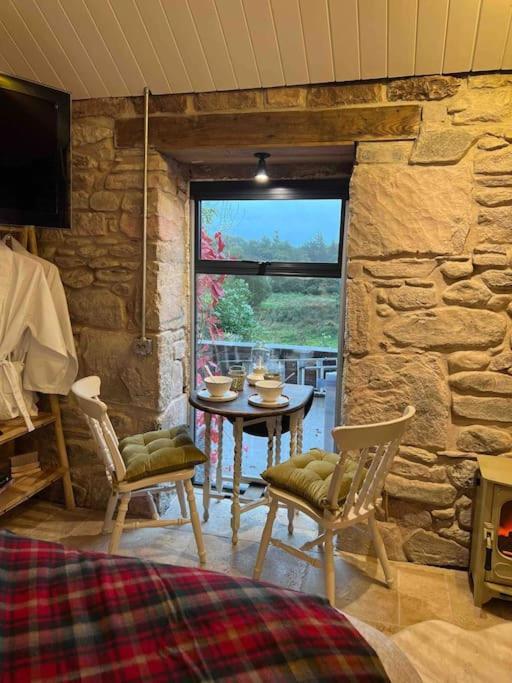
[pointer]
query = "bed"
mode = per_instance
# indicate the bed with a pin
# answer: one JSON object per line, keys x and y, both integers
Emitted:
{"x": 67, "y": 615}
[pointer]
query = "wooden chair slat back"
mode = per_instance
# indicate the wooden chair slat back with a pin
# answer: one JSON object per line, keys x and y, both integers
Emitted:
{"x": 101, "y": 444}
{"x": 376, "y": 444}
{"x": 86, "y": 392}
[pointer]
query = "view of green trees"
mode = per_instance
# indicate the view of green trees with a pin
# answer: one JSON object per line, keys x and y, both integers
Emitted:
{"x": 273, "y": 248}
{"x": 279, "y": 310}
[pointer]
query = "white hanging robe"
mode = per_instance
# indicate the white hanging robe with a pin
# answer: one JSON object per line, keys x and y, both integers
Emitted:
{"x": 52, "y": 276}
{"x": 33, "y": 353}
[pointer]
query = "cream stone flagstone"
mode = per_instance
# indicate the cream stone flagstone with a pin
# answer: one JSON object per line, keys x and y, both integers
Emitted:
{"x": 429, "y": 493}
{"x": 410, "y": 298}
{"x": 411, "y": 470}
{"x": 500, "y": 280}
{"x": 379, "y": 385}
{"x": 409, "y": 210}
{"x": 442, "y": 146}
{"x": 447, "y": 329}
{"x": 358, "y": 317}
{"x": 482, "y": 383}
{"x": 477, "y": 106}
{"x": 501, "y": 363}
{"x": 427, "y": 547}
{"x": 468, "y": 360}
{"x": 483, "y": 408}
{"x": 98, "y": 307}
{"x": 482, "y": 439}
{"x": 493, "y": 163}
{"x": 454, "y": 270}
{"x": 403, "y": 268}
{"x": 418, "y": 455}
{"x": 471, "y": 293}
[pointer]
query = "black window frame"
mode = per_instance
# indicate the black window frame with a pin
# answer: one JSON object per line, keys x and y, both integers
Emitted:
{"x": 284, "y": 189}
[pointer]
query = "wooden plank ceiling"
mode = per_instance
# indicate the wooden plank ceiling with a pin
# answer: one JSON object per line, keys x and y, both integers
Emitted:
{"x": 101, "y": 48}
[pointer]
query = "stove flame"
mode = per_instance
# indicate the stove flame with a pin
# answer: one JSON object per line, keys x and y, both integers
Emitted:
{"x": 505, "y": 529}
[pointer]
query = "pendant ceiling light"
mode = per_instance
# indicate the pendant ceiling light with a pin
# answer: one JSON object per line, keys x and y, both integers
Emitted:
{"x": 261, "y": 169}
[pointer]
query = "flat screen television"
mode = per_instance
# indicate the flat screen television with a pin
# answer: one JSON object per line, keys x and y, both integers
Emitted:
{"x": 35, "y": 169}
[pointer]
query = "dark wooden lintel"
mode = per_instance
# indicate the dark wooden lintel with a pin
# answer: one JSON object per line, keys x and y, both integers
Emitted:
{"x": 168, "y": 133}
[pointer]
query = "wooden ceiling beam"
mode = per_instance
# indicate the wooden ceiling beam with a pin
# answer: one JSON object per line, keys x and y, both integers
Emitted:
{"x": 169, "y": 133}
{"x": 295, "y": 171}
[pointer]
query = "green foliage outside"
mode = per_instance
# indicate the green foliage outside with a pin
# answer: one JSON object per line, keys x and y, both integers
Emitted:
{"x": 299, "y": 319}
{"x": 306, "y": 315}
{"x": 234, "y": 310}
{"x": 280, "y": 310}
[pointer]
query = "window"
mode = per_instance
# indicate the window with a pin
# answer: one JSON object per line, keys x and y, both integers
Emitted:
{"x": 267, "y": 271}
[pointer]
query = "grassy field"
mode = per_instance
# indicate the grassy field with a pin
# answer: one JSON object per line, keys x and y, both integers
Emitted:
{"x": 299, "y": 319}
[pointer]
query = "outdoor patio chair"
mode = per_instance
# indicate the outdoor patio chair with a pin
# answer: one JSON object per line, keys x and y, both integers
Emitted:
{"x": 335, "y": 490}
{"x": 140, "y": 465}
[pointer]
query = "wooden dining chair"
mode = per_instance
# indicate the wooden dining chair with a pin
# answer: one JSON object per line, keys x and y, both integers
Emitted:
{"x": 140, "y": 465}
{"x": 335, "y": 490}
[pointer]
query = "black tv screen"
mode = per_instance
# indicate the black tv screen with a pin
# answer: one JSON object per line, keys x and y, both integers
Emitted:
{"x": 35, "y": 176}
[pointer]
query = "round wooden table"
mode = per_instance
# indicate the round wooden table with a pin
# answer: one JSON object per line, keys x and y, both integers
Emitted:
{"x": 242, "y": 413}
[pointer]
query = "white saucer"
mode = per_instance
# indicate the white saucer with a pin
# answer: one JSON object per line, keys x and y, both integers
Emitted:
{"x": 256, "y": 400}
{"x": 205, "y": 395}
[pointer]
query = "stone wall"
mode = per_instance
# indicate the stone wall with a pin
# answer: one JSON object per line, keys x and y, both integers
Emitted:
{"x": 99, "y": 261}
{"x": 429, "y": 306}
{"x": 429, "y": 290}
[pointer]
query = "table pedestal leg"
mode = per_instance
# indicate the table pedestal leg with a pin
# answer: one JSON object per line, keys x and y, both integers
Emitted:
{"x": 207, "y": 465}
{"x": 300, "y": 430}
{"x": 271, "y": 427}
{"x": 218, "y": 478}
{"x": 279, "y": 428}
{"x": 293, "y": 434}
{"x": 237, "y": 473}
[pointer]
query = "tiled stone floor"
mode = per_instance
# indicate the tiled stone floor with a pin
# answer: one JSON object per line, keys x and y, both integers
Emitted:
{"x": 419, "y": 593}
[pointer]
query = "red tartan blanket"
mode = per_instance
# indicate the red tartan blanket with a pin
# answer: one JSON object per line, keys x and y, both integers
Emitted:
{"x": 76, "y": 616}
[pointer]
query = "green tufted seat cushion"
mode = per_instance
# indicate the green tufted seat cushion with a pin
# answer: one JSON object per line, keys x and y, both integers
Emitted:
{"x": 309, "y": 475}
{"x": 153, "y": 453}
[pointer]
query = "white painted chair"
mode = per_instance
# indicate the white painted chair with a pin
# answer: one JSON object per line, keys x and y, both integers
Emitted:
{"x": 369, "y": 451}
{"x": 86, "y": 392}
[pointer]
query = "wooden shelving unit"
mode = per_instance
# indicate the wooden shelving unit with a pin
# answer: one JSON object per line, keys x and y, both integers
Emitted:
{"x": 23, "y": 488}
{"x": 14, "y": 428}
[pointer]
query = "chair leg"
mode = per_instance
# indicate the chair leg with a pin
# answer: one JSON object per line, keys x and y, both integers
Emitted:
{"x": 380, "y": 549}
{"x": 152, "y": 506}
{"x": 118, "y": 526}
{"x": 180, "y": 492}
{"x": 291, "y": 515}
{"x": 108, "y": 522}
{"x": 265, "y": 538}
{"x": 329, "y": 573}
{"x": 196, "y": 524}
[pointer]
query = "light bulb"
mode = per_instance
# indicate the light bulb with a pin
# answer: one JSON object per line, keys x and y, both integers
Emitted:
{"x": 261, "y": 175}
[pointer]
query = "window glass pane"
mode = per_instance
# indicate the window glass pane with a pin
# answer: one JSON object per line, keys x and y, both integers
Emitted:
{"x": 288, "y": 230}
{"x": 297, "y": 319}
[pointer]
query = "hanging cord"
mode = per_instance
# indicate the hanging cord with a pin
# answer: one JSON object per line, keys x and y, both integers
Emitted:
{"x": 144, "y": 346}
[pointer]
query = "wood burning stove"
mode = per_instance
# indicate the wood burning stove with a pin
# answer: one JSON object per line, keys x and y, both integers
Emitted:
{"x": 491, "y": 548}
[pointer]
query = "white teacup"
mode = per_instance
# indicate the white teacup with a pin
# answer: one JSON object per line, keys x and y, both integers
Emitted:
{"x": 218, "y": 385}
{"x": 269, "y": 389}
